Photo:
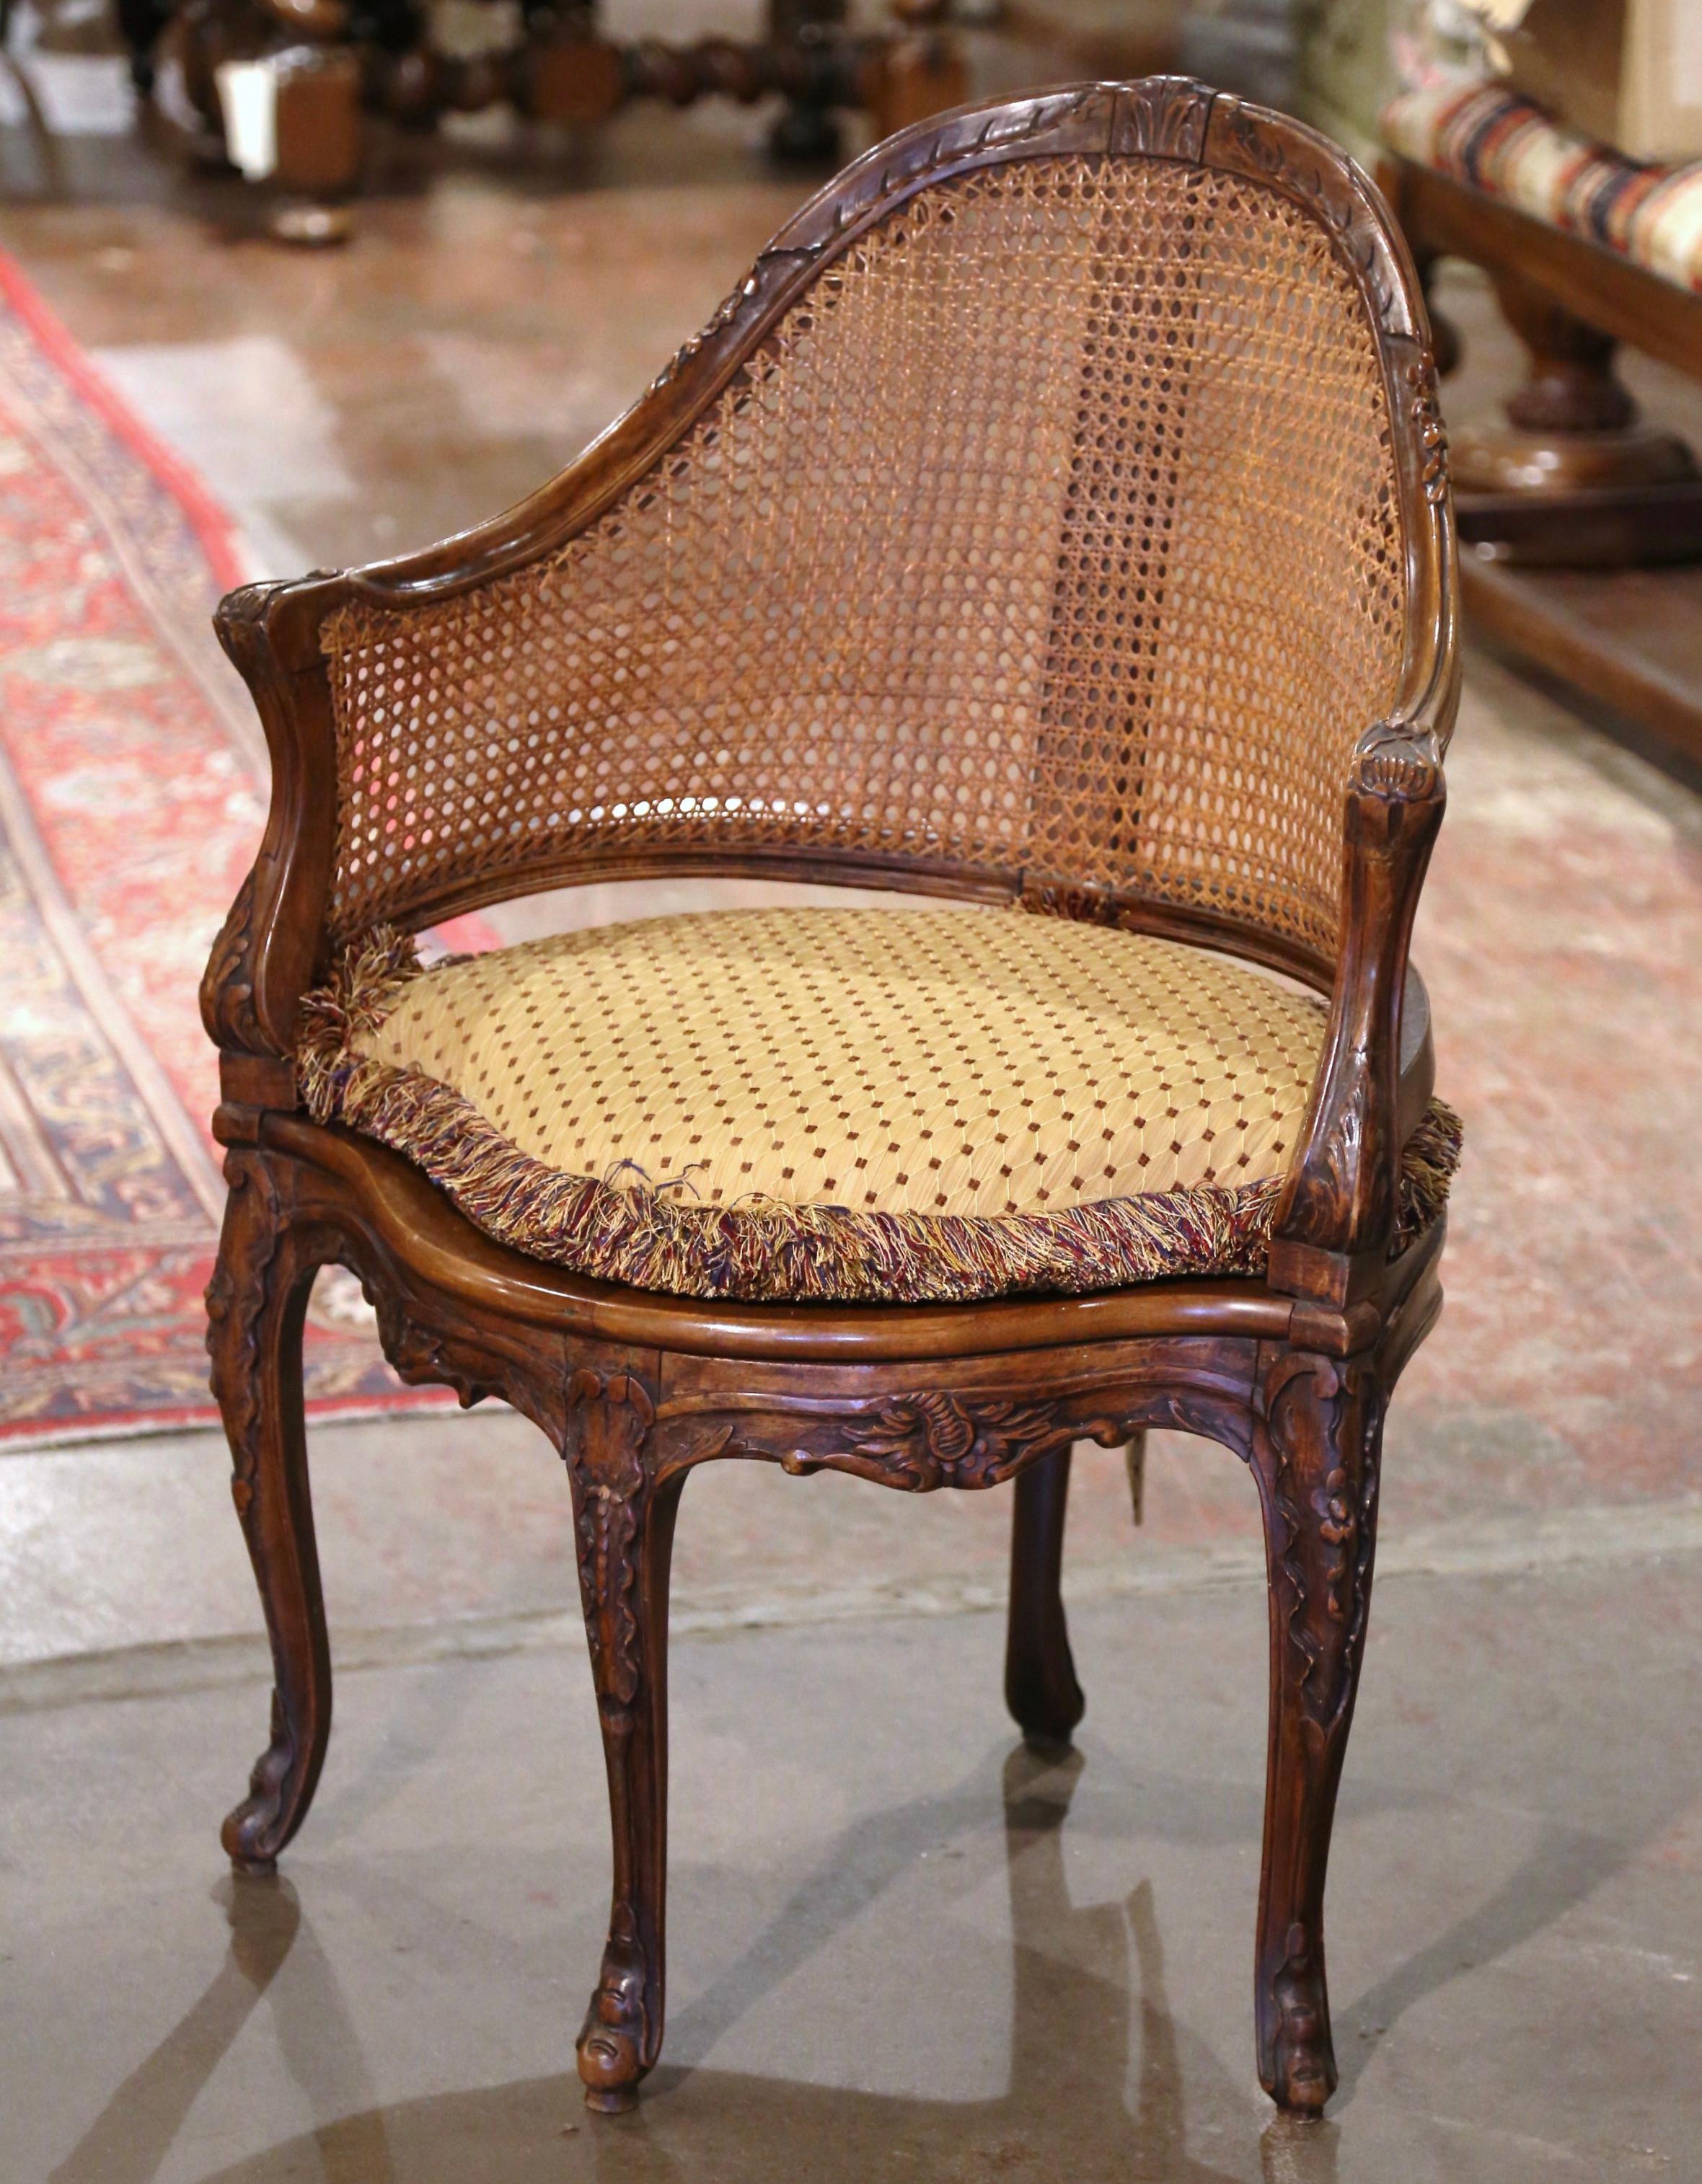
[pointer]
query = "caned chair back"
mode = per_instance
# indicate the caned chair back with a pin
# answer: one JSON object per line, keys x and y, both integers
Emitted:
{"x": 1051, "y": 535}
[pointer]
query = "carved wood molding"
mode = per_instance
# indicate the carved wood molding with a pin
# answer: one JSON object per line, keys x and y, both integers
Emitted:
{"x": 929, "y": 1440}
{"x": 244, "y": 1284}
{"x": 1323, "y": 1421}
{"x": 1399, "y": 761}
{"x": 273, "y": 939}
{"x": 920, "y": 1441}
{"x": 609, "y": 1420}
{"x": 286, "y": 1219}
{"x": 1165, "y": 117}
{"x": 1162, "y": 117}
{"x": 424, "y": 1352}
{"x": 1302, "y": 2061}
{"x": 1433, "y": 431}
{"x": 1285, "y": 155}
{"x": 1335, "y": 1221}
{"x": 618, "y": 2039}
{"x": 227, "y": 989}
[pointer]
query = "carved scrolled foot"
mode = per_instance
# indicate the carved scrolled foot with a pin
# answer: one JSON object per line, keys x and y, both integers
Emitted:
{"x": 256, "y": 1305}
{"x": 1316, "y": 1459}
{"x": 1302, "y": 2056}
{"x": 613, "y": 2040}
{"x": 255, "y": 1831}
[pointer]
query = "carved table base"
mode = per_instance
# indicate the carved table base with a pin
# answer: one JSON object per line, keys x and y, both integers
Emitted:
{"x": 327, "y": 77}
{"x": 632, "y": 1418}
{"x": 1573, "y": 477}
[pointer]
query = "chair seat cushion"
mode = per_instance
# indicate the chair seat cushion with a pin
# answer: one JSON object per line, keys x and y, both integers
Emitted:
{"x": 840, "y": 1104}
{"x": 1500, "y": 143}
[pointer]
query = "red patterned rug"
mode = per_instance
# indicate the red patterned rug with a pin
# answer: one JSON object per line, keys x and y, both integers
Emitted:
{"x": 131, "y": 796}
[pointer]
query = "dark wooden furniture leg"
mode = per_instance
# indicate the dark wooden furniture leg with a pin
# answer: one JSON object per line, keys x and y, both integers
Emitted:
{"x": 1316, "y": 1462}
{"x": 624, "y": 1520}
{"x": 141, "y": 25}
{"x": 1444, "y": 335}
{"x": 1041, "y": 1688}
{"x": 806, "y": 130}
{"x": 256, "y": 1305}
{"x": 1574, "y": 475}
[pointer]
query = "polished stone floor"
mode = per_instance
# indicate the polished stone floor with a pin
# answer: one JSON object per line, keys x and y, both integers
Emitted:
{"x": 892, "y": 1959}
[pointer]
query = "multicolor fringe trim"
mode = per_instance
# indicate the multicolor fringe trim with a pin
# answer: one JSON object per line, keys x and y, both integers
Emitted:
{"x": 764, "y": 1249}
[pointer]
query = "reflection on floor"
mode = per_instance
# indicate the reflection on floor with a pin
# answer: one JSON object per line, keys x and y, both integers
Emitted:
{"x": 895, "y": 1954}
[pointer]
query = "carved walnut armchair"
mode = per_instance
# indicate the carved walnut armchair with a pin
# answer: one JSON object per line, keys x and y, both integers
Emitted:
{"x": 1056, "y": 519}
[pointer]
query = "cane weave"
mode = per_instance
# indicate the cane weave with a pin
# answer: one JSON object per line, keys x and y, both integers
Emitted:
{"x": 836, "y": 1102}
{"x": 1054, "y": 532}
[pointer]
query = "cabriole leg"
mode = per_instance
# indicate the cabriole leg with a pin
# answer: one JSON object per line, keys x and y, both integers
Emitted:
{"x": 624, "y": 1521}
{"x": 1040, "y": 1689}
{"x": 256, "y": 1305}
{"x": 1317, "y": 1465}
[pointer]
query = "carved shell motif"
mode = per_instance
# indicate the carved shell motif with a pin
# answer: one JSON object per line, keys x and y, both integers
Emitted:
{"x": 931, "y": 1440}
{"x": 1398, "y": 759}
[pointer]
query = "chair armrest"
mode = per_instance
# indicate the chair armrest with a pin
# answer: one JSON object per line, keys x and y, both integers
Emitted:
{"x": 270, "y": 948}
{"x": 1335, "y": 1221}
{"x": 1336, "y": 1217}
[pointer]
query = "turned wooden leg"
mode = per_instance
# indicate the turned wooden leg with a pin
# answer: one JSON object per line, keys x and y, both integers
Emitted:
{"x": 256, "y": 1305}
{"x": 1572, "y": 423}
{"x": 801, "y": 32}
{"x": 1040, "y": 1689}
{"x": 1444, "y": 335}
{"x": 141, "y": 25}
{"x": 624, "y": 1522}
{"x": 1317, "y": 1465}
{"x": 1572, "y": 476}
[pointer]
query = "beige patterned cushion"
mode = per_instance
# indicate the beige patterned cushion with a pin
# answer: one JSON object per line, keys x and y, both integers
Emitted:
{"x": 838, "y": 1102}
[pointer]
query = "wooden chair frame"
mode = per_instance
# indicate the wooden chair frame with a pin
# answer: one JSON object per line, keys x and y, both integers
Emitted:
{"x": 1294, "y": 1371}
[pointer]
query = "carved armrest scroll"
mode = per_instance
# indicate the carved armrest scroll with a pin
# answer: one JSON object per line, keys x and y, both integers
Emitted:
{"x": 270, "y": 947}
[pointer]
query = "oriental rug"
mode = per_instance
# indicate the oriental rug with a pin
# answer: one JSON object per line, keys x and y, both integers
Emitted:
{"x": 132, "y": 797}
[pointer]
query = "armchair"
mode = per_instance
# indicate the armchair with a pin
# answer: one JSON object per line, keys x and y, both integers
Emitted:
{"x": 1056, "y": 519}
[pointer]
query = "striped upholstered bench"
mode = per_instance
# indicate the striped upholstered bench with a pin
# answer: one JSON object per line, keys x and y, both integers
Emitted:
{"x": 1587, "y": 249}
{"x": 1504, "y": 148}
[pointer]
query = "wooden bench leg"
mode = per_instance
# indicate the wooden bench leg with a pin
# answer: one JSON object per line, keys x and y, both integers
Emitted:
{"x": 806, "y": 130}
{"x": 1574, "y": 475}
{"x": 256, "y": 1307}
{"x": 1317, "y": 1468}
{"x": 1041, "y": 1688}
{"x": 1444, "y": 335}
{"x": 624, "y": 1522}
